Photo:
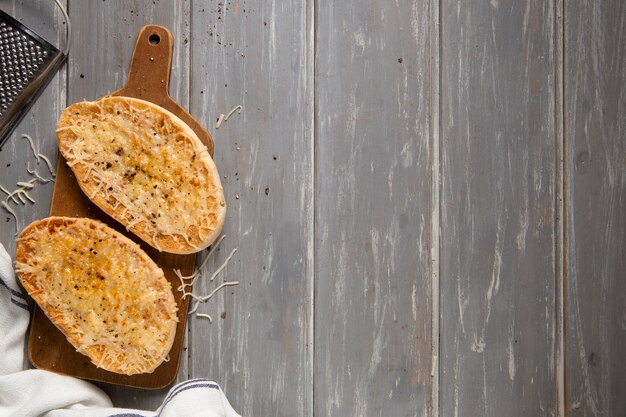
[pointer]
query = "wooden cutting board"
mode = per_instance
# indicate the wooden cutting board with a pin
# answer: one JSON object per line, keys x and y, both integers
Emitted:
{"x": 48, "y": 348}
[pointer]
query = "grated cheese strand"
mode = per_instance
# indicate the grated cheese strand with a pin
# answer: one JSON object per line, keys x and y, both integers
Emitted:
{"x": 196, "y": 273}
{"x": 48, "y": 163}
{"x": 25, "y": 194}
{"x": 207, "y": 316}
{"x": 194, "y": 308}
{"x": 32, "y": 145}
{"x": 183, "y": 285}
{"x": 10, "y": 194}
{"x": 238, "y": 108}
{"x": 28, "y": 184}
{"x": 21, "y": 194}
{"x": 221, "y": 268}
{"x": 220, "y": 119}
{"x": 38, "y": 155}
{"x": 180, "y": 275}
{"x": 213, "y": 249}
{"x": 18, "y": 193}
{"x": 205, "y": 298}
{"x": 42, "y": 179}
{"x": 194, "y": 296}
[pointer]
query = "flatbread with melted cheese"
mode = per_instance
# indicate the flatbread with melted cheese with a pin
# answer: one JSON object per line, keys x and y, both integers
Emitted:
{"x": 104, "y": 293}
{"x": 147, "y": 169}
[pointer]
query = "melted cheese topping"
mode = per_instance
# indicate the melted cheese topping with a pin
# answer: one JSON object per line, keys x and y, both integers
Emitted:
{"x": 146, "y": 164}
{"x": 96, "y": 283}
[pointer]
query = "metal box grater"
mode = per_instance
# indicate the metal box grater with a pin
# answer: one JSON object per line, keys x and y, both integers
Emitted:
{"x": 27, "y": 64}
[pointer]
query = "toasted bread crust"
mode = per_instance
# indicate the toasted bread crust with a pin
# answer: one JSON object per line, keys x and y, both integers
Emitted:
{"x": 207, "y": 217}
{"x": 39, "y": 272}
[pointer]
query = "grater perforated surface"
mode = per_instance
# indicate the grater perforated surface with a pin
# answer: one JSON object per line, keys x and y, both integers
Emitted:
{"x": 20, "y": 60}
{"x": 27, "y": 63}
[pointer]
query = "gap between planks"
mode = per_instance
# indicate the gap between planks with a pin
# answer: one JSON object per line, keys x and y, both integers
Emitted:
{"x": 435, "y": 203}
{"x": 560, "y": 208}
{"x": 311, "y": 33}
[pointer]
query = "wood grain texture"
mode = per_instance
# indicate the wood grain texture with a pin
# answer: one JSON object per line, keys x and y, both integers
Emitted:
{"x": 333, "y": 200}
{"x": 40, "y": 122}
{"x": 99, "y": 64}
{"x": 259, "y": 55}
{"x": 498, "y": 311}
{"x": 595, "y": 137}
{"x": 435, "y": 198}
{"x": 372, "y": 197}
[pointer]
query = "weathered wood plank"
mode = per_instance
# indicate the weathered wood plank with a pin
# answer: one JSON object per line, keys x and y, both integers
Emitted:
{"x": 499, "y": 142}
{"x": 595, "y": 132}
{"x": 259, "y": 55}
{"x": 105, "y": 33}
{"x": 373, "y": 185}
{"x": 40, "y": 123}
{"x": 435, "y": 200}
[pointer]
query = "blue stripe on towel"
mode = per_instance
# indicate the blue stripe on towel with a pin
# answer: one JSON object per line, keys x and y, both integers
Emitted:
{"x": 17, "y": 303}
{"x": 14, "y": 292}
{"x": 127, "y": 415}
{"x": 190, "y": 386}
{"x": 184, "y": 384}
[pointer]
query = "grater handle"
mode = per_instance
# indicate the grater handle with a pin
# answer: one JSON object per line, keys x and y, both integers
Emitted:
{"x": 150, "y": 66}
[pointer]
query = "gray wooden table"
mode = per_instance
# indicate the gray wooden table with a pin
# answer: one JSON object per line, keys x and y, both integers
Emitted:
{"x": 428, "y": 197}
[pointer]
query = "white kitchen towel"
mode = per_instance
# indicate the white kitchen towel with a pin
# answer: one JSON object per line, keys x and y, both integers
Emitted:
{"x": 32, "y": 392}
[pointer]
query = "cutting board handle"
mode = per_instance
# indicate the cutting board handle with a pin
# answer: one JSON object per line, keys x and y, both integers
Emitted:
{"x": 149, "y": 76}
{"x": 150, "y": 66}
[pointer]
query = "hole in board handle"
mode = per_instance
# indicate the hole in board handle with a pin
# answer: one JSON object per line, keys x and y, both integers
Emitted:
{"x": 154, "y": 39}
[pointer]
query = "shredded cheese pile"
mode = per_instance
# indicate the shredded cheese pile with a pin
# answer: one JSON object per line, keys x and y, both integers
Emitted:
{"x": 147, "y": 165}
{"x": 102, "y": 287}
{"x": 198, "y": 273}
{"x": 20, "y": 194}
